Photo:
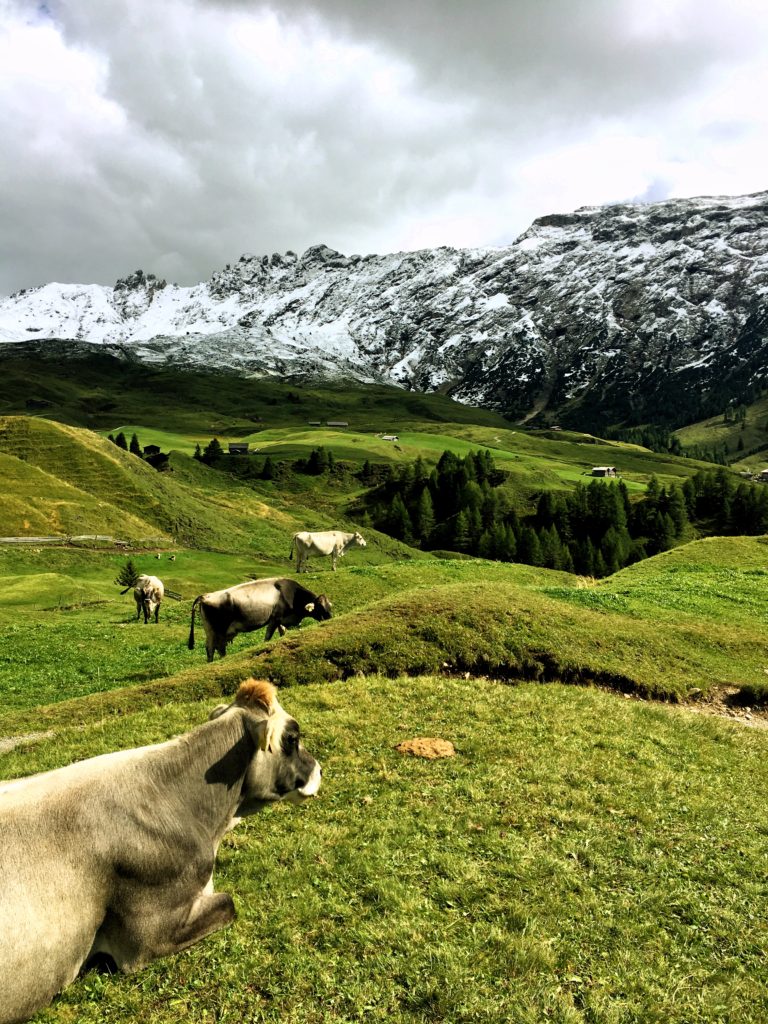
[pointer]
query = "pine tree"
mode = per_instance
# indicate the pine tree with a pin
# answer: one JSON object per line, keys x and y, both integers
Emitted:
{"x": 399, "y": 521}
{"x": 424, "y": 517}
{"x": 128, "y": 575}
{"x": 461, "y": 537}
{"x": 213, "y": 451}
{"x": 474, "y": 528}
{"x": 135, "y": 447}
{"x": 198, "y": 453}
{"x": 485, "y": 545}
{"x": 121, "y": 442}
{"x": 268, "y": 469}
{"x": 529, "y": 547}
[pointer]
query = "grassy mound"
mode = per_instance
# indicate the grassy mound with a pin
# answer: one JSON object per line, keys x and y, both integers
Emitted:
{"x": 581, "y": 858}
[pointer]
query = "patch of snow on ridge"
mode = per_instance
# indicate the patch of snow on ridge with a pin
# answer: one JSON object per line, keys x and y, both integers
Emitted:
{"x": 495, "y": 301}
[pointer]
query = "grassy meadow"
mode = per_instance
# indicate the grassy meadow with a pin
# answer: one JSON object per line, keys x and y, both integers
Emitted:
{"x": 594, "y": 853}
{"x": 582, "y": 858}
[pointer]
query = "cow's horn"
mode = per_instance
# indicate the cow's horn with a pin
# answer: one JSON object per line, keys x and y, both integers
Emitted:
{"x": 309, "y": 607}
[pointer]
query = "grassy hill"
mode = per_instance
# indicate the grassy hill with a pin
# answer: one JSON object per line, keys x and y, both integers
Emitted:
{"x": 84, "y": 483}
{"x": 584, "y": 857}
{"x": 87, "y": 387}
{"x": 746, "y": 441}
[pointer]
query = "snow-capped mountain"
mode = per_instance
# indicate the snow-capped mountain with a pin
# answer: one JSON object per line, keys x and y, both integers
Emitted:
{"x": 608, "y": 314}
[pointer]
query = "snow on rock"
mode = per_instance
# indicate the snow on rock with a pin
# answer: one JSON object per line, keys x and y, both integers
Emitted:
{"x": 606, "y": 311}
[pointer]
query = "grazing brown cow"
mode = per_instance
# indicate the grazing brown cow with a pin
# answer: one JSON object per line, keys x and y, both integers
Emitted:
{"x": 275, "y": 603}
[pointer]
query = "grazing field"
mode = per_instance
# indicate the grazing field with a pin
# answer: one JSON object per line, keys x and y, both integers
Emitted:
{"x": 690, "y": 619}
{"x": 534, "y": 459}
{"x": 590, "y": 855}
{"x": 581, "y": 858}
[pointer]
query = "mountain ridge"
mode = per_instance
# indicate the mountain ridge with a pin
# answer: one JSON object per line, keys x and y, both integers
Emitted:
{"x": 613, "y": 314}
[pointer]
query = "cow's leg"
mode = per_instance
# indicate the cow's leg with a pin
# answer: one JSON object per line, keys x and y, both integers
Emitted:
{"x": 148, "y": 934}
{"x": 138, "y": 611}
{"x": 157, "y": 613}
{"x": 221, "y": 647}
{"x": 271, "y": 627}
{"x": 146, "y": 612}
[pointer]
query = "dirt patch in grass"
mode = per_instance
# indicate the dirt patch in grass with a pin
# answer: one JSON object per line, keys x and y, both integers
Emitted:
{"x": 728, "y": 702}
{"x": 9, "y": 742}
{"x": 428, "y": 747}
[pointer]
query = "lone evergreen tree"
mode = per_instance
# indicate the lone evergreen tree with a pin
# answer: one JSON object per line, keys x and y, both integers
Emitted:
{"x": 212, "y": 451}
{"x": 135, "y": 447}
{"x": 121, "y": 442}
{"x": 128, "y": 576}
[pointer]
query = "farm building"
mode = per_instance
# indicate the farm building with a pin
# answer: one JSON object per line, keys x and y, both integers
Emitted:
{"x": 336, "y": 423}
{"x": 762, "y": 476}
{"x": 389, "y": 437}
{"x": 603, "y": 471}
{"x": 314, "y": 423}
{"x": 239, "y": 448}
{"x": 151, "y": 449}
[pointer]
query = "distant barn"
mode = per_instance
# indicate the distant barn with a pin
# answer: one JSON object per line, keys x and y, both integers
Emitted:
{"x": 315, "y": 423}
{"x": 762, "y": 476}
{"x": 336, "y": 423}
{"x": 389, "y": 437}
{"x": 239, "y": 448}
{"x": 603, "y": 471}
{"x": 151, "y": 449}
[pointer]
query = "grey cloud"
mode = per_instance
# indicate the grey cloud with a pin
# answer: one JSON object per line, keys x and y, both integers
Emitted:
{"x": 195, "y": 151}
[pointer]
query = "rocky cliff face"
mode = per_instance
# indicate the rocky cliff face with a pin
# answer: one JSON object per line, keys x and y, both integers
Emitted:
{"x": 611, "y": 314}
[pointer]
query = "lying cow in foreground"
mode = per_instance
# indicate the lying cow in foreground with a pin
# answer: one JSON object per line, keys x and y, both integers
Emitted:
{"x": 275, "y": 603}
{"x": 114, "y": 856}
{"x": 327, "y": 542}
{"x": 148, "y": 594}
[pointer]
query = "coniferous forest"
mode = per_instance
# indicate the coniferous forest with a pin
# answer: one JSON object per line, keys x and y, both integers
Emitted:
{"x": 464, "y": 505}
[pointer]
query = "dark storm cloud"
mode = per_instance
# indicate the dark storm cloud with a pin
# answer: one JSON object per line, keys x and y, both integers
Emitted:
{"x": 175, "y": 136}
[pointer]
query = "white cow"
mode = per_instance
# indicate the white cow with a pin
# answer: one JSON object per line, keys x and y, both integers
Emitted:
{"x": 148, "y": 593}
{"x": 327, "y": 542}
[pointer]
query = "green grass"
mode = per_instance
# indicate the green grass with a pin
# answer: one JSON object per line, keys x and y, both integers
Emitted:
{"x": 535, "y": 459}
{"x": 98, "y": 391}
{"x": 582, "y": 858}
{"x": 691, "y": 618}
{"x": 715, "y": 431}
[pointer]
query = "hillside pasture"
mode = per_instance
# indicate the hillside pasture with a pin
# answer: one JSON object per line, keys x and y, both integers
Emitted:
{"x": 689, "y": 619}
{"x": 589, "y": 856}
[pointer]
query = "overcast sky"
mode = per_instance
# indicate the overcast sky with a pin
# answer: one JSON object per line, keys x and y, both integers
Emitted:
{"x": 174, "y": 135}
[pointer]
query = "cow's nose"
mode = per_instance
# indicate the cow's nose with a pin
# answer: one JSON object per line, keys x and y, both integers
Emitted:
{"x": 312, "y": 784}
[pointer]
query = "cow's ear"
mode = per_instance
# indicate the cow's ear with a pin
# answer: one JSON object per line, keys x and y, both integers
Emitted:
{"x": 219, "y": 711}
{"x": 309, "y": 607}
{"x": 258, "y": 730}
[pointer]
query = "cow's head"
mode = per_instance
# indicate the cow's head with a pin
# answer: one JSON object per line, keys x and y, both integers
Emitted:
{"x": 319, "y": 608}
{"x": 280, "y": 769}
{"x": 359, "y": 540}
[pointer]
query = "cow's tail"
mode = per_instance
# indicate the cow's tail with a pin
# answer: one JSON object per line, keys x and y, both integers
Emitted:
{"x": 191, "y": 641}
{"x": 293, "y": 545}
{"x": 126, "y": 590}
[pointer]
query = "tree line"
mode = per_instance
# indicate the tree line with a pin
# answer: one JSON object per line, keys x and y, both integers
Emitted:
{"x": 593, "y": 530}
